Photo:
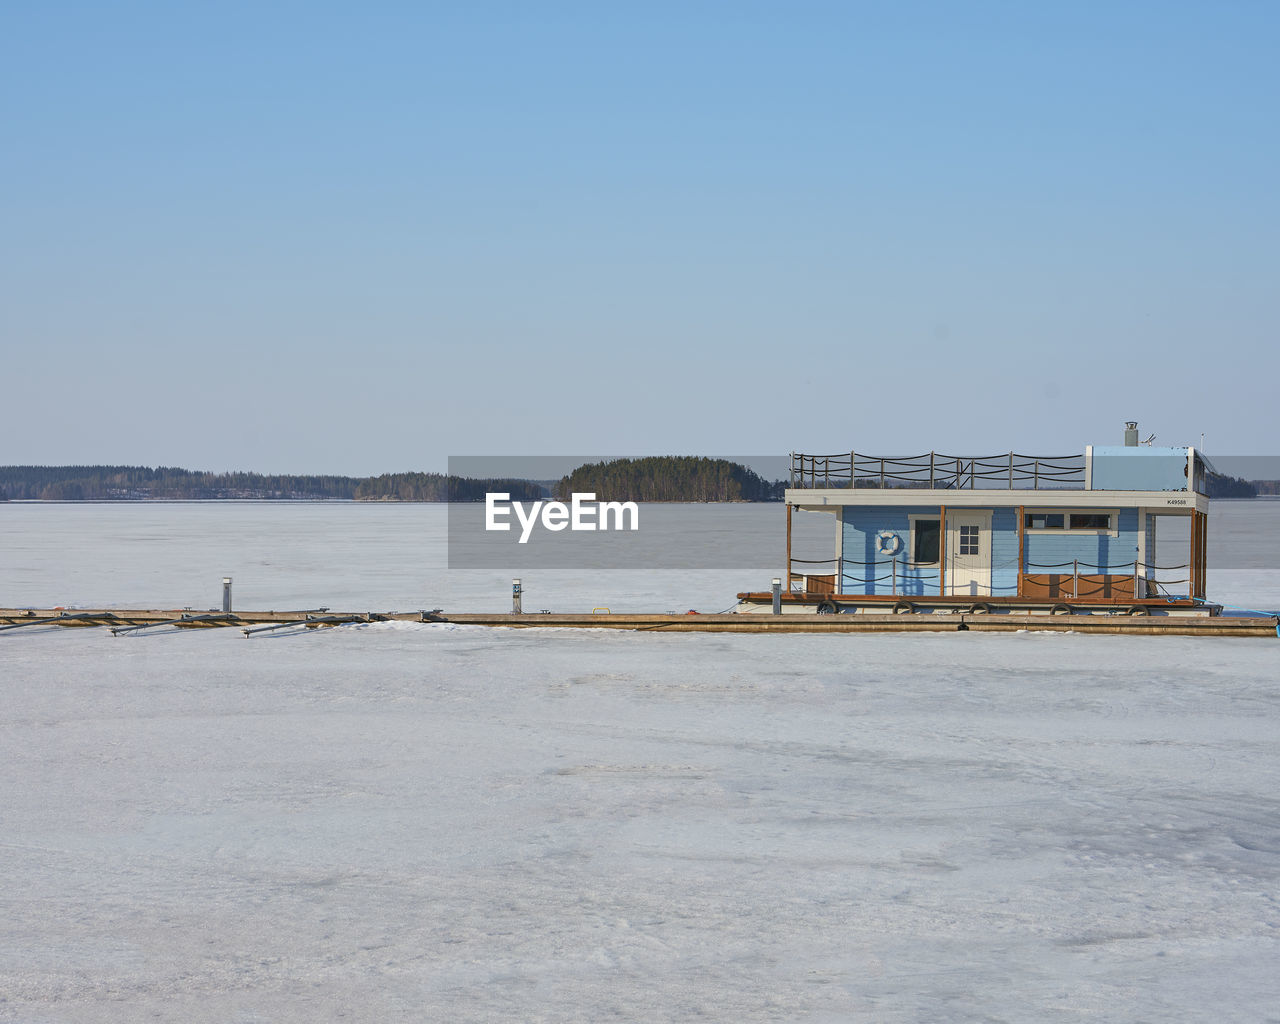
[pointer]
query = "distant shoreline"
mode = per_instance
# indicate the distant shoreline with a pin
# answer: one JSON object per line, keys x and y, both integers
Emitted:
{"x": 318, "y": 501}
{"x": 680, "y": 478}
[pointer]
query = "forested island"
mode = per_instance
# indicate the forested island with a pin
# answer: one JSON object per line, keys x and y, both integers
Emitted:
{"x": 657, "y": 478}
{"x": 670, "y": 478}
{"x": 1220, "y": 486}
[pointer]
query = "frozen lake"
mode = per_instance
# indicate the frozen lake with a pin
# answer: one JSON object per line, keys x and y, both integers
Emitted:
{"x": 365, "y": 556}
{"x": 415, "y": 822}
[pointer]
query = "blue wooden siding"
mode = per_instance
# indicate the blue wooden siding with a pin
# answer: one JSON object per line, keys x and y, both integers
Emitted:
{"x": 1114, "y": 554}
{"x": 866, "y": 571}
{"x": 1004, "y": 552}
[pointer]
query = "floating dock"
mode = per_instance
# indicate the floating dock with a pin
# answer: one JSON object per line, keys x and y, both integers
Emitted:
{"x": 122, "y": 621}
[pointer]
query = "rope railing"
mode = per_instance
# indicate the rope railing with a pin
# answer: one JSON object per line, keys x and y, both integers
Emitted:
{"x": 1128, "y": 566}
{"x": 1006, "y": 471}
{"x": 910, "y": 574}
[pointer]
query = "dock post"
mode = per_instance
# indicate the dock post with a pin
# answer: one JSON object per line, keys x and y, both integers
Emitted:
{"x": 516, "y": 591}
{"x": 777, "y": 596}
{"x": 1075, "y": 578}
{"x": 226, "y": 595}
{"x": 895, "y": 575}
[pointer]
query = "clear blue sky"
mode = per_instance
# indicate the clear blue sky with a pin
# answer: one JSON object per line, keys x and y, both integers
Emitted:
{"x": 360, "y": 238}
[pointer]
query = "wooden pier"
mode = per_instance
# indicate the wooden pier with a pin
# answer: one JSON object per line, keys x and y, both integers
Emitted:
{"x": 122, "y": 621}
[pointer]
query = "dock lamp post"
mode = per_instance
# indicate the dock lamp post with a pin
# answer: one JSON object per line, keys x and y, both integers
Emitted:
{"x": 226, "y": 595}
{"x": 516, "y": 591}
{"x": 777, "y": 595}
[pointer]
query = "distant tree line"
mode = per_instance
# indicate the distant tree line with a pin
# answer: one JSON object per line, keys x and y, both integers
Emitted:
{"x": 439, "y": 487}
{"x": 140, "y": 483}
{"x": 124, "y": 483}
{"x": 670, "y": 478}
{"x": 1221, "y": 486}
{"x": 660, "y": 478}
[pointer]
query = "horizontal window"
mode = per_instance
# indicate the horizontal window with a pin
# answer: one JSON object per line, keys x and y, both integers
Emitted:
{"x": 1069, "y": 521}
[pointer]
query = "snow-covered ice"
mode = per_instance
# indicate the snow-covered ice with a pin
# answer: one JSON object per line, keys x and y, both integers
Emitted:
{"x": 420, "y": 822}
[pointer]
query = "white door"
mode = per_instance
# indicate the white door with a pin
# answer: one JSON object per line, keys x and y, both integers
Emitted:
{"x": 969, "y": 553}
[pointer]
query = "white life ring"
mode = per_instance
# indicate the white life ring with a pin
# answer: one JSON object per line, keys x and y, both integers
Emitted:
{"x": 888, "y": 542}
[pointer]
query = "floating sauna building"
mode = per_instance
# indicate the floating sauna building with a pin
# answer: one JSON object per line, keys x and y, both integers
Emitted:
{"x": 999, "y": 533}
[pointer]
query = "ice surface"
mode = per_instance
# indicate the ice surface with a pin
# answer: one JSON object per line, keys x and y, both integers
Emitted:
{"x": 414, "y": 822}
{"x": 349, "y": 555}
{"x": 387, "y": 556}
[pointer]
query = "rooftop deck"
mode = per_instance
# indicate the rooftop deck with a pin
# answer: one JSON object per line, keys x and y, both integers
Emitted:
{"x": 935, "y": 471}
{"x": 1097, "y": 468}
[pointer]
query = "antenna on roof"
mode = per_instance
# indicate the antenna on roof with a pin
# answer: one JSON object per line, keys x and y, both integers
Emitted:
{"x": 1149, "y": 439}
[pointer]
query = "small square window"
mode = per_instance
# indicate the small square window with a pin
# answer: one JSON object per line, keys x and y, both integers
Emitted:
{"x": 968, "y": 540}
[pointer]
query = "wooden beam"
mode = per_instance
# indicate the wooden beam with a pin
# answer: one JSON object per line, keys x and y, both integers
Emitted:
{"x": 1022, "y": 545}
{"x": 1194, "y": 555}
{"x": 942, "y": 552}
{"x": 1199, "y": 552}
{"x": 1204, "y": 554}
{"x": 1198, "y": 592}
{"x": 788, "y": 547}
{"x": 1193, "y": 584}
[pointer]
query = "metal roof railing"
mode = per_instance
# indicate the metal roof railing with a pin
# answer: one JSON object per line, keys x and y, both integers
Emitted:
{"x": 939, "y": 472}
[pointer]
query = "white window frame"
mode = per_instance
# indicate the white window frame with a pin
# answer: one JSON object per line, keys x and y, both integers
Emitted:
{"x": 1113, "y": 516}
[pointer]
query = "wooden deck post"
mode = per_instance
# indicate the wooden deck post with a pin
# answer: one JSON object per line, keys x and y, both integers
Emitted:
{"x": 788, "y": 547}
{"x": 1204, "y": 555}
{"x": 1199, "y": 538}
{"x": 942, "y": 553}
{"x": 1022, "y": 545}
{"x": 1191, "y": 559}
{"x": 1194, "y": 556}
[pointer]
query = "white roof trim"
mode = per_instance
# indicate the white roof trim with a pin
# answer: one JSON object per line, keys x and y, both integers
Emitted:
{"x": 1163, "y": 502}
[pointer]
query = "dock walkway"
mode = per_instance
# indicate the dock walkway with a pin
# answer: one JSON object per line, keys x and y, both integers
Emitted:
{"x": 123, "y": 620}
